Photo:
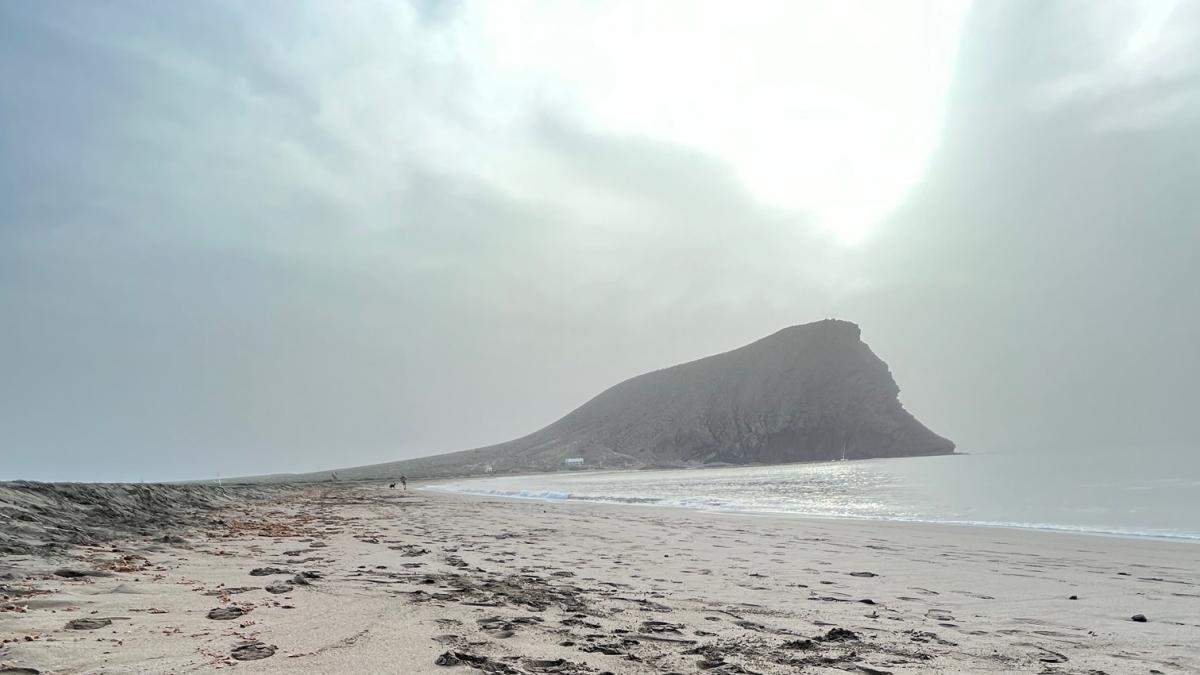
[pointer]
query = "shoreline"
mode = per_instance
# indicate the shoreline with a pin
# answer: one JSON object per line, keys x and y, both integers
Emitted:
{"x": 369, "y": 579}
{"x": 1053, "y": 529}
{"x": 830, "y": 521}
{"x": 562, "y": 497}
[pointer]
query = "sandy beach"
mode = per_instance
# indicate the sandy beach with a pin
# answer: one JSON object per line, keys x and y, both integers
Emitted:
{"x": 368, "y": 579}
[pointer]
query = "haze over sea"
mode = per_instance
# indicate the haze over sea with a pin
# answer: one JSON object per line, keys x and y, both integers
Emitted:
{"x": 1153, "y": 493}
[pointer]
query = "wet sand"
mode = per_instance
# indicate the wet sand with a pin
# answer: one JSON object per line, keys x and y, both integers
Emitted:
{"x": 370, "y": 579}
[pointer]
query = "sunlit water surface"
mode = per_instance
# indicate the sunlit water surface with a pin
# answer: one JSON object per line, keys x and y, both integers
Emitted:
{"x": 1140, "y": 495}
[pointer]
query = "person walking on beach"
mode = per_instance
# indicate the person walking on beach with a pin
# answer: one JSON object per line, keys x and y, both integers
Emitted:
{"x": 404, "y": 482}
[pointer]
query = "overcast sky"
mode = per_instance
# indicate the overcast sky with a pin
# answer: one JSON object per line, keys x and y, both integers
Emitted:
{"x": 280, "y": 236}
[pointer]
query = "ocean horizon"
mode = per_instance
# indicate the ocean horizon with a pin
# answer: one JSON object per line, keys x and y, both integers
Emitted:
{"x": 1114, "y": 496}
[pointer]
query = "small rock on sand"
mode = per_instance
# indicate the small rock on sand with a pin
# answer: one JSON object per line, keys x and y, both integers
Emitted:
{"x": 252, "y": 651}
{"x": 1140, "y": 618}
{"x": 226, "y": 613}
{"x": 279, "y": 587}
{"x": 88, "y": 624}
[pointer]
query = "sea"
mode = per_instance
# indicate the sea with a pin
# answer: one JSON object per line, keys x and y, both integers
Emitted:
{"x": 1145, "y": 494}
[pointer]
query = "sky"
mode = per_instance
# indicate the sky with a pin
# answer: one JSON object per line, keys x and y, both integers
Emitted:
{"x": 242, "y": 238}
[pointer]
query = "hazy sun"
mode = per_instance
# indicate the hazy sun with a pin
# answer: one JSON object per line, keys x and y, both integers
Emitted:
{"x": 831, "y": 108}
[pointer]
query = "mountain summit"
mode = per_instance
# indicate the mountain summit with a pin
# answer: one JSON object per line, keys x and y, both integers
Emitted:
{"x": 809, "y": 392}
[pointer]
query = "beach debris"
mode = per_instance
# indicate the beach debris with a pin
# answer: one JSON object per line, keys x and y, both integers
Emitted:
{"x": 755, "y": 626}
{"x": 711, "y": 658}
{"x": 487, "y": 665}
{"x": 302, "y": 579}
{"x": 68, "y": 573}
{"x": 865, "y": 575}
{"x": 252, "y": 650}
{"x": 804, "y": 644}
{"x": 127, "y": 563}
{"x": 660, "y": 627}
{"x": 267, "y": 571}
{"x": 226, "y": 613}
{"x": 840, "y": 635}
{"x": 1073, "y": 597}
{"x": 555, "y": 666}
{"x": 279, "y": 587}
{"x": 232, "y": 590}
{"x": 497, "y": 627}
{"x": 409, "y": 550}
{"x": 501, "y": 627}
{"x": 172, "y": 539}
{"x": 928, "y": 636}
{"x": 611, "y": 649}
{"x": 1140, "y": 618}
{"x": 88, "y": 624}
{"x": 523, "y": 590}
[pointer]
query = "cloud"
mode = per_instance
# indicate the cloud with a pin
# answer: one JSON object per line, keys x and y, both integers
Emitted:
{"x": 243, "y": 238}
{"x": 1047, "y": 256}
{"x": 232, "y": 251}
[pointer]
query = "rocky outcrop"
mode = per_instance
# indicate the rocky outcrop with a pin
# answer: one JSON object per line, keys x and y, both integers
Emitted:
{"x": 809, "y": 392}
{"x": 48, "y": 518}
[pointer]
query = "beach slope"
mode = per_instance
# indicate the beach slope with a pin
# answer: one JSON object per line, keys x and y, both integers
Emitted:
{"x": 371, "y": 579}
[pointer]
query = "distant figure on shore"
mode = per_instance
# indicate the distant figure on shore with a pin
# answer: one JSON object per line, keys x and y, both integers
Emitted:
{"x": 403, "y": 482}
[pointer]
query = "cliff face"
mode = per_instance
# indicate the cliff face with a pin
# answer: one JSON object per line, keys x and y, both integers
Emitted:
{"x": 809, "y": 392}
{"x": 805, "y": 393}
